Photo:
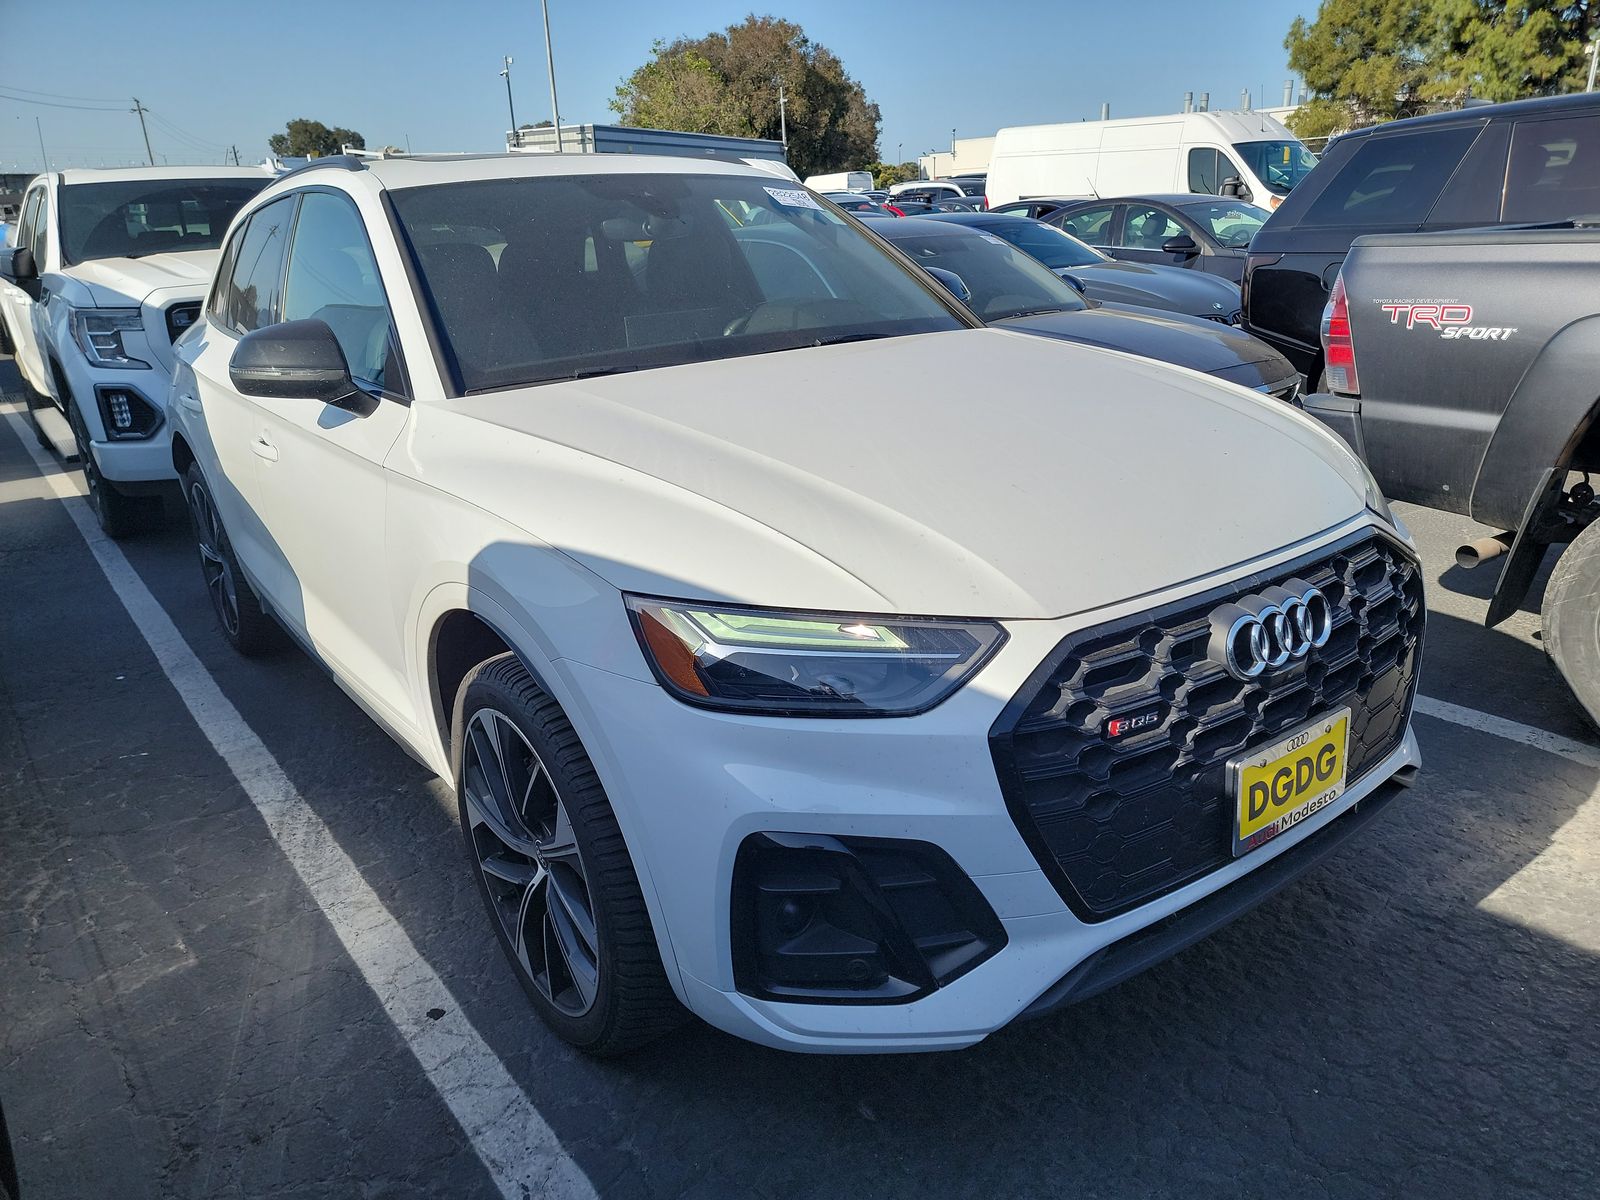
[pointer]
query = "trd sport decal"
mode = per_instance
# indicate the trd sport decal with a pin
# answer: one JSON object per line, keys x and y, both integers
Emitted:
{"x": 1450, "y": 320}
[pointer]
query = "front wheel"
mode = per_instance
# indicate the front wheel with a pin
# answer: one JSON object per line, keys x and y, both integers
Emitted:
{"x": 119, "y": 514}
{"x": 244, "y": 622}
{"x": 552, "y": 866}
{"x": 1571, "y": 619}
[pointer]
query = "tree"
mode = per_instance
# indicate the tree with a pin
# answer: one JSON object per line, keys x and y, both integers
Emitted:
{"x": 888, "y": 174}
{"x": 727, "y": 83}
{"x": 1375, "y": 60}
{"x": 304, "y": 138}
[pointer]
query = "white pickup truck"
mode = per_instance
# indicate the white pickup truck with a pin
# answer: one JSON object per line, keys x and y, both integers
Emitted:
{"x": 104, "y": 272}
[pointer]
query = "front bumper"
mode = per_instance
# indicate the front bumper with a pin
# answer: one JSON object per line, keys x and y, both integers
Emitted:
{"x": 690, "y": 786}
{"x": 123, "y": 461}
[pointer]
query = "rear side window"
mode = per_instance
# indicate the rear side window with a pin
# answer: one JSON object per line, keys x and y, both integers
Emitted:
{"x": 1555, "y": 170}
{"x": 1473, "y": 195}
{"x": 1092, "y": 225}
{"x": 251, "y": 299}
{"x": 1392, "y": 180}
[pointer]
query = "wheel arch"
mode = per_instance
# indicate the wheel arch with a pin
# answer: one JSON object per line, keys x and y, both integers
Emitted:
{"x": 1549, "y": 422}
{"x": 459, "y": 640}
{"x": 182, "y": 455}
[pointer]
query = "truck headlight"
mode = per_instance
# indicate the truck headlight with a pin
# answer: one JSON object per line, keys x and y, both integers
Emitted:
{"x": 808, "y": 664}
{"x": 98, "y": 332}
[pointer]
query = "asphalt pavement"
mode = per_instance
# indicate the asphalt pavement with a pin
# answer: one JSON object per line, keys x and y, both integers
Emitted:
{"x": 181, "y": 1016}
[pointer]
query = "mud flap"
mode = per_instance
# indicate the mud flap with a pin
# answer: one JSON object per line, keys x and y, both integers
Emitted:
{"x": 1527, "y": 552}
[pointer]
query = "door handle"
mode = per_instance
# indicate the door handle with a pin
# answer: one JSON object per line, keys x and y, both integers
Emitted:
{"x": 192, "y": 403}
{"x": 264, "y": 449}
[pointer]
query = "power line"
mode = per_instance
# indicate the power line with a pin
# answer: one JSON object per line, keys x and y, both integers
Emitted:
{"x": 10, "y": 87}
{"x": 54, "y": 103}
{"x": 183, "y": 135}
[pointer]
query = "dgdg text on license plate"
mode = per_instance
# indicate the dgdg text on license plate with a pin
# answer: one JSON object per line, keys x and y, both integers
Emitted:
{"x": 1276, "y": 787}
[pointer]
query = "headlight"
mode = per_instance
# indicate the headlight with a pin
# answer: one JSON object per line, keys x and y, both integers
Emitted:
{"x": 98, "y": 332}
{"x": 808, "y": 664}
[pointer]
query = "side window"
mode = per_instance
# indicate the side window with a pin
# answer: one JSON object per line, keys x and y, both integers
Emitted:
{"x": 1555, "y": 170}
{"x": 1146, "y": 228}
{"x": 333, "y": 277}
{"x": 217, "y": 306}
{"x": 1204, "y": 177}
{"x": 1092, "y": 225}
{"x": 30, "y": 214}
{"x": 1473, "y": 194}
{"x": 39, "y": 241}
{"x": 1392, "y": 180}
{"x": 254, "y": 283}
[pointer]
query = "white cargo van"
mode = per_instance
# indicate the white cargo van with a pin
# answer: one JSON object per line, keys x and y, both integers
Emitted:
{"x": 1203, "y": 152}
{"x": 841, "y": 181}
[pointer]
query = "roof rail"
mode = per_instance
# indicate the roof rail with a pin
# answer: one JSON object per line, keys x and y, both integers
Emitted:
{"x": 344, "y": 162}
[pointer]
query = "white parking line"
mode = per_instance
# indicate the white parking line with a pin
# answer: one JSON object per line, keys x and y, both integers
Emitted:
{"x": 1515, "y": 731}
{"x": 519, "y": 1149}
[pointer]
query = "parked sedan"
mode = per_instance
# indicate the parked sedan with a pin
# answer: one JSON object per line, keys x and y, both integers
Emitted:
{"x": 1203, "y": 233}
{"x": 1011, "y": 290}
{"x": 1101, "y": 277}
{"x": 1037, "y": 207}
{"x": 854, "y": 202}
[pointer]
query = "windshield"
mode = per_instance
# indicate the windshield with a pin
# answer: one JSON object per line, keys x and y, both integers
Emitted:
{"x": 1231, "y": 222}
{"x": 1048, "y": 244}
{"x": 539, "y": 279}
{"x": 149, "y": 216}
{"x": 1004, "y": 281}
{"x": 1279, "y": 165}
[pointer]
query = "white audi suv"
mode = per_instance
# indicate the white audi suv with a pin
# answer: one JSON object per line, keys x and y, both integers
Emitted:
{"x": 847, "y": 720}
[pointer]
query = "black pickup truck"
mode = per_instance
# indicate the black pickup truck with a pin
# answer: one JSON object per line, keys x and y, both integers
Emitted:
{"x": 1464, "y": 368}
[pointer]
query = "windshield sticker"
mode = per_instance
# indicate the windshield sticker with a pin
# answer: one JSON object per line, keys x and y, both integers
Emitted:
{"x": 989, "y": 237}
{"x": 792, "y": 198}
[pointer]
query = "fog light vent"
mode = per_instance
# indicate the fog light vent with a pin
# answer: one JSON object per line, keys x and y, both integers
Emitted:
{"x": 826, "y": 920}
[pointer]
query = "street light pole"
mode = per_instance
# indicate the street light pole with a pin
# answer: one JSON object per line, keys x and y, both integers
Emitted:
{"x": 550, "y": 61}
{"x": 1594, "y": 60}
{"x": 783, "y": 116}
{"x": 505, "y": 73}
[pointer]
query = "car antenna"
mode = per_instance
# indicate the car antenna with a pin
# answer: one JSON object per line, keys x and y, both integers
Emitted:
{"x": 1092, "y": 192}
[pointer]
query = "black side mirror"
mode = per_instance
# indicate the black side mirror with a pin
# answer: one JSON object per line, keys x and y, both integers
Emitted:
{"x": 17, "y": 265}
{"x": 1182, "y": 244}
{"x": 952, "y": 283}
{"x": 297, "y": 360}
{"x": 1071, "y": 280}
{"x": 1234, "y": 188}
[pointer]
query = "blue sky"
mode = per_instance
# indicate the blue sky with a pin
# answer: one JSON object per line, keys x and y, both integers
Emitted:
{"x": 229, "y": 72}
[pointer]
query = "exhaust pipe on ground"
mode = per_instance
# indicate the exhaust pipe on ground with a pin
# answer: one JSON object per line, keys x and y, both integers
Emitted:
{"x": 1481, "y": 551}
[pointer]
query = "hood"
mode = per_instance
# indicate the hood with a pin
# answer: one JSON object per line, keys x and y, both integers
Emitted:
{"x": 1175, "y": 288}
{"x": 1005, "y": 476}
{"x": 1168, "y": 337}
{"x": 119, "y": 282}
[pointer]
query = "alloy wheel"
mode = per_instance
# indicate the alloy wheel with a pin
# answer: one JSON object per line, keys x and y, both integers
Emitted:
{"x": 532, "y": 869}
{"x": 214, "y": 565}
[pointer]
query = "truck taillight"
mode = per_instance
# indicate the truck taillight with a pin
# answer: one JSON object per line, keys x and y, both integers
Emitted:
{"x": 1338, "y": 350}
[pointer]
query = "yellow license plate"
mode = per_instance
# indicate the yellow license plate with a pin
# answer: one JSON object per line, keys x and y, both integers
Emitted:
{"x": 1276, "y": 787}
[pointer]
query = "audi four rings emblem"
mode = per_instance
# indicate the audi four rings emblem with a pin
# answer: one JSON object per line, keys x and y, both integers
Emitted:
{"x": 1262, "y": 632}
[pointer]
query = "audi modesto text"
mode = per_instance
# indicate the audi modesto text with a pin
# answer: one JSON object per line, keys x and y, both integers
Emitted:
{"x": 845, "y": 721}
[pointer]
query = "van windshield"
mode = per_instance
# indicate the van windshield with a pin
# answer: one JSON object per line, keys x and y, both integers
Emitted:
{"x": 533, "y": 280}
{"x": 1279, "y": 165}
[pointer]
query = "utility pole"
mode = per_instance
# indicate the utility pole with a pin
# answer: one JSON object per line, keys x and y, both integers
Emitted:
{"x": 141, "y": 110}
{"x": 783, "y": 115}
{"x": 505, "y": 73}
{"x": 550, "y": 62}
{"x": 234, "y": 151}
{"x": 45, "y": 158}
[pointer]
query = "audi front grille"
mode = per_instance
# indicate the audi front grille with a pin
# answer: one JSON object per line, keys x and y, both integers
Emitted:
{"x": 1118, "y": 824}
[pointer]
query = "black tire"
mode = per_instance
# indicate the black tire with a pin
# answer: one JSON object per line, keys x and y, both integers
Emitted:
{"x": 239, "y": 612}
{"x": 628, "y": 1000}
{"x": 1571, "y": 619}
{"x": 119, "y": 514}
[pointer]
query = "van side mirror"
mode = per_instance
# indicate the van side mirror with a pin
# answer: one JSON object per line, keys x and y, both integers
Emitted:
{"x": 952, "y": 283}
{"x": 1234, "y": 188}
{"x": 296, "y": 360}
{"x": 1182, "y": 244}
{"x": 17, "y": 265}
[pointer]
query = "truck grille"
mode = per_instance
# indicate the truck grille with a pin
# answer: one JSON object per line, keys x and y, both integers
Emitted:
{"x": 1117, "y": 825}
{"x": 180, "y": 317}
